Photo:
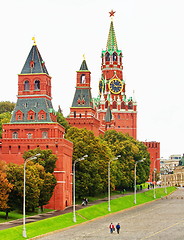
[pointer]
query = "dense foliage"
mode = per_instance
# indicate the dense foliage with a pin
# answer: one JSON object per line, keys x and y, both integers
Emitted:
{"x": 62, "y": 120}
{"x": 92, "y": 173}
{"x": 131, "y": 151}
{"x": 40, "y": 181}
{"x": 45, "y": 158}
{"x": 5, "y": 187}
{"x": 6, "y": 106}
{"x": 15, "y": 175}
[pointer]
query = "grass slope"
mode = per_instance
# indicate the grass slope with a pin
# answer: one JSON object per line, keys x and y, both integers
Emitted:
{"x": 83, "y": 215}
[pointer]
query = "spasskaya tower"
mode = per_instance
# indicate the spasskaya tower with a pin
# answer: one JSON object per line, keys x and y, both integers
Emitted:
{"x": 115, "y": 110}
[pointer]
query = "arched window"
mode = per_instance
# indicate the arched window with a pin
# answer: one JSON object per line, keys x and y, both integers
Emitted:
{"x": 130, "y": 105}
{"x": 37, "y": 85}
{"x": 106, "y": 104}
{"x": 123, "y": 105}
{"x": 114, "y": 105}
{"x": 31, "y": 115}
{"x": 83, "y": 78}
{"x": 115, "y": 56}
{"x": 44, "y": 134}
{"x": 107, "y": 57}
{"x": 26, "y": 85}
{"x": 74, "y": 114}
{"x": 15, "y": 135}
{"x": 29, "y": 135}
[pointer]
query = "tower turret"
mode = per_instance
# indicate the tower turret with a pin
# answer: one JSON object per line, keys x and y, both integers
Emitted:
{"x": 34, "y": 91}
{"x": 83, "y": 112}
{"x": 112, "y": 89}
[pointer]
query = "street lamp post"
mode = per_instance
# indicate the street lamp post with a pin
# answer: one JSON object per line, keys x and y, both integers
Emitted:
{"x": 165, "y": 182}
{"x": 154, "y": 172}
{"x": 154, "y": 192}
{"x": 135, "y": 188}
{"x": 109, "y": 181}
{"x": 24, "y": 234}
{"x": 77, "y": 160}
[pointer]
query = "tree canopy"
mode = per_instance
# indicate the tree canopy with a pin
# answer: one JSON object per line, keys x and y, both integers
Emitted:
{"x": 46, "y": 158}
{"x": 91, "y": 174}
{"x": 15, "y": 175}
{"x": 6, "y": 106}
{"x": 4, "y": 118}
{"x": 40, "y": 181}
{"x": 62, "y": 120}
{"x": 5, "y": 187}
{"x": 131, "y": 151}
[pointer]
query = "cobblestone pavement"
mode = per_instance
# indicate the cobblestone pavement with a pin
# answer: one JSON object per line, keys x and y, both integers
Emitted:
{"x": 159, "y": 220}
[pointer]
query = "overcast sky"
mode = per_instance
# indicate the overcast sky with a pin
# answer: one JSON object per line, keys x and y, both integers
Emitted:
{"x": 149, "y": 33}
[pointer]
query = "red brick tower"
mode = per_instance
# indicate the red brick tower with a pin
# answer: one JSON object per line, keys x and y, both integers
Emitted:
{"x": 33, "y": 125}
{"x": 154, "y": 150}
{"x": 82, "y": 111}
{"x": 123, "y": 116}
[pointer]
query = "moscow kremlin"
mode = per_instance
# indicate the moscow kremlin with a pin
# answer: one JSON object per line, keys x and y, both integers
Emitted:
{"x": 33, "y": 123}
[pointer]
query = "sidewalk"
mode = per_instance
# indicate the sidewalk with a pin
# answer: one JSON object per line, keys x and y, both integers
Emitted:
{"x": 42, "y": 216}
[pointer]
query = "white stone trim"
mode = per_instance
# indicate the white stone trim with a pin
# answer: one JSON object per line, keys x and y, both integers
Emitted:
{"x": 61, "y": 181}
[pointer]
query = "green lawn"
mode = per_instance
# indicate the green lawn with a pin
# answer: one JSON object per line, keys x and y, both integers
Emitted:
{"x": 13, "y": 215}
{"x": 85, "y": 214}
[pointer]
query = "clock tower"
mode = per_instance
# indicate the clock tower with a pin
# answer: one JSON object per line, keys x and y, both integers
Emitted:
{"x": 115, "y": 110}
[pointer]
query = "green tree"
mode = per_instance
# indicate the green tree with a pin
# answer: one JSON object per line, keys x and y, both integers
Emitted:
{"x": 46, "y": 158}
{"x": 5, "y": 187}
{"x": 6, "y": 106}
{"x": 15, "y": 175}
{"x": 4, "y": 118}
{"x": 48, "y": 161}
{"x": 91, "y": 174}
{"x": 49, "y": 183}
{"x": 62, "y": 120}
{"x": 131, "y": 151}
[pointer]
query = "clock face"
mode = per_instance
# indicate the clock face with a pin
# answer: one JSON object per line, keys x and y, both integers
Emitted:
{"x": 115, "y": 86}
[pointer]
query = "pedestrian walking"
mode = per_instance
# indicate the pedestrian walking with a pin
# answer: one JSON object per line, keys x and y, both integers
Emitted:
{"x": 118, "y": 228}
{"x": 112, "y": 229}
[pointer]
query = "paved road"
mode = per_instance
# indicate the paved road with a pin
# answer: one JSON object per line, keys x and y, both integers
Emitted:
{"x": 162, "y": 219}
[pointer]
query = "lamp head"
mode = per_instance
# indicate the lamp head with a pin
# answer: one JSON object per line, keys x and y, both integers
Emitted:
{"x": 38, "y": 154}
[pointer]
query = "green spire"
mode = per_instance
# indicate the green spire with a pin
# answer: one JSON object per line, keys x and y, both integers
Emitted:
{"x": 111, "y": 41}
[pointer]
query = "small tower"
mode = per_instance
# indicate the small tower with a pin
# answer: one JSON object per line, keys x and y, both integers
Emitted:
{"x": 34, "y": 92}
{"x": 34, "y": 124}
{"x": 112, "y": 91}
{"x": 82, "y": 112}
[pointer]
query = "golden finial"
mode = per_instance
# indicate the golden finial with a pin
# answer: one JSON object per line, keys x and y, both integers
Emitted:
{"x": 84, "y": 57}
{"x": 34, "y": 41}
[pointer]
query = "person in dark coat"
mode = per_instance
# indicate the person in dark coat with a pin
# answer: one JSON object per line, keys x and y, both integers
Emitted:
{"x": 118, "y": 228}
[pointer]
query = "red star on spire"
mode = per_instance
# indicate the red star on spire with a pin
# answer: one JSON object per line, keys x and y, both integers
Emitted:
{"x": 111, "y": 13}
